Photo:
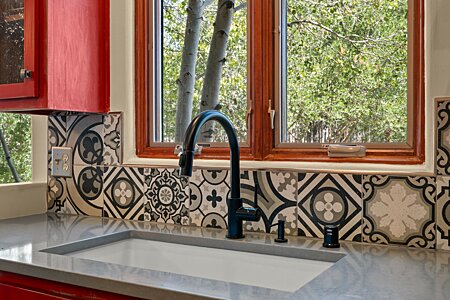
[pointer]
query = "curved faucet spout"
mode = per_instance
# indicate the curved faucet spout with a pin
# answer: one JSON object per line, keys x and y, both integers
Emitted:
{"x": 236, "y": 212}
{"x": 190, "y": 139}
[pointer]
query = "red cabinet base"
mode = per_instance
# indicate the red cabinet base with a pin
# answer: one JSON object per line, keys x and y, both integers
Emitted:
{"x": 13, "y": 287}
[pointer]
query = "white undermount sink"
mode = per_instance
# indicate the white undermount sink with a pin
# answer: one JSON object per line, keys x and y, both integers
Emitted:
{"x": 248, "y": 268}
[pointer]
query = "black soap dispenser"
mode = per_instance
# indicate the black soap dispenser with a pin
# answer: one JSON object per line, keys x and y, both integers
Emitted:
{"x": 331, "y": 236}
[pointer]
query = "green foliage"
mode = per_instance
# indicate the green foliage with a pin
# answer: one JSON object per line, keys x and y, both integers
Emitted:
{"x": 17, "y": 131}
{"x": 233, "y": 93}
{"x": 346, "y": 70}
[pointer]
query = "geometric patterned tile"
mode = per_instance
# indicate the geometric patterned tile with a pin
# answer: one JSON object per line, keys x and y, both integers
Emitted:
{"x": 166, "y": 196}
{"x": 112, "y": 153}
{"x": 443, "y": 138}
{"x": 57, "y": 136}
{"x": 209, "y": 193}
{"x": 85, "y": 136}
{"x": 123, "y": 193}
{"x": 277, "y": 199}
{"x": 443, "y": 213}
{"x": 82, "y": 194}
{"x": 399, "y": 210}
{"x": 56, "y": 194}
{"x": 329, "y": 199}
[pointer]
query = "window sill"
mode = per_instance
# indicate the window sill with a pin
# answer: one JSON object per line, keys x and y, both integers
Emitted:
{"x": 426, "y": 168}
{"x": 10, "y": 187}
{"x": 23, "y": 199}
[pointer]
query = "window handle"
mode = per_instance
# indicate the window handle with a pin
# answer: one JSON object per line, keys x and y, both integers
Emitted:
{"x": 197, "y": 151}
{"x": 271, "y": 112}
{"x": 338, "y": 150}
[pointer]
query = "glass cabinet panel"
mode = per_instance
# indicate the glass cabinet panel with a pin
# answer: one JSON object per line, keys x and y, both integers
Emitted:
{"x": 12, "y": 36}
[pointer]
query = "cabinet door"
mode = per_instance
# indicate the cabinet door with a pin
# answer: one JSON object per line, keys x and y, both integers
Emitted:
{"x": 18, "y": 49}
{"x": 8, "y": 292}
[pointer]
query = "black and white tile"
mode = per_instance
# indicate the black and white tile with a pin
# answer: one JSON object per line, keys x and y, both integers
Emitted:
{"x": 443, "y": 138}
{"x": 329, "y": 199}
{"x": 443, "y": 213}
{"x": 276, "y": 199}
{"x": 82, "y": 194}
{"x": 124, "y": 193}
{"x": 85, "y": 136}
{"x": 209, "y": 193}
{"x": 166, "y": 196}
{"x": 112, "y": 153}
{"x": 399, "y": 210}
{"x": 57, "y": 136}
{"x": 56, "y": 194}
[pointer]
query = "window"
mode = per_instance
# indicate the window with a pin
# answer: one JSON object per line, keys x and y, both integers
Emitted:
{"x": 299, "y": 75}
{"x": 16, "y": 129}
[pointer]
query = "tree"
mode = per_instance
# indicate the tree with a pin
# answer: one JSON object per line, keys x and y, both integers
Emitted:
{"x": 17, "y": 131}
{"x": 216, "y": 60}
{"x": 186, "y": 80}
{"x": 346, "y": 72}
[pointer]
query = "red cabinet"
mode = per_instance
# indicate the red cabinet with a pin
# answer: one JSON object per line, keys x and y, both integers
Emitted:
{"x": 13, "y": 287}
{"x": 54, "y": 55}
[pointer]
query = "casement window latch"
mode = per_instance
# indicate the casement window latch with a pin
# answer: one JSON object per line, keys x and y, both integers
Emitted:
{"x": 338, "y": 150}
{"x": 197, "y": 151}
{"x": 271, "y": 113}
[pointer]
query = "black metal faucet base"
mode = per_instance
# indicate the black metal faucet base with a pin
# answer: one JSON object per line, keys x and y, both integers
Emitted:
{"x": 235, "y": 237}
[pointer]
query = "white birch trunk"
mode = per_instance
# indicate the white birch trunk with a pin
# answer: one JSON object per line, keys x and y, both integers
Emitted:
{"x": 216, "y": 60}
{"x": 186, "y": 80}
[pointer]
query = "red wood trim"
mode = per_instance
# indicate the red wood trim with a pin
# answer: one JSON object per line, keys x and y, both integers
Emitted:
{"x": 36, "y": 288}
{"x": 29, "y": 88}
{"x": 143, "y": 83}
{"x": 413, "y": 155}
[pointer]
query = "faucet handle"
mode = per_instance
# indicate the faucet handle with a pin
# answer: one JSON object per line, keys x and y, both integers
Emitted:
{"x": 280, "y": 232}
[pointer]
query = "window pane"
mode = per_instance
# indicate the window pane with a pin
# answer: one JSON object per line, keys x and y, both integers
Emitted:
{"x": 17, "y": 131}
{"x": 11, "y": 40}
{"x": 233, "y": 92}
{"x": 346, "y": 71}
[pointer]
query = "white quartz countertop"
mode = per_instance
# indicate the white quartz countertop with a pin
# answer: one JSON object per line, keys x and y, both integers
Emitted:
{"x": 366, "y": 272}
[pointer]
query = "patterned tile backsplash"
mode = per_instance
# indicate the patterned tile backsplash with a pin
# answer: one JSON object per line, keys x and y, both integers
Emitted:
{"x": 410, "y": 210}
{"x": 399, "y": 210}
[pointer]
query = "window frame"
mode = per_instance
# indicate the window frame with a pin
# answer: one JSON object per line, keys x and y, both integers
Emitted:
{"x": 29, "y": 198}
{"x": 263, "y": 56}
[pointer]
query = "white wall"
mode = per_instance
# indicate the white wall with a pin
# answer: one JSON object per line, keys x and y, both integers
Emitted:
{"x": 437, "y": 56}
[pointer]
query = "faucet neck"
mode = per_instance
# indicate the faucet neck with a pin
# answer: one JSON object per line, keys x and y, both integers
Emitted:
{"x": 191, "y": 139}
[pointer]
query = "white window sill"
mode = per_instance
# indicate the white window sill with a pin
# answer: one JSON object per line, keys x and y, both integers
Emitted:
{"x": 23, "y": 199}
{"x": 310, "y": 167}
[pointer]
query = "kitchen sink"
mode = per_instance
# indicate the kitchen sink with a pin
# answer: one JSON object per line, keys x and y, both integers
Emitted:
{"x": 283, "y": 268}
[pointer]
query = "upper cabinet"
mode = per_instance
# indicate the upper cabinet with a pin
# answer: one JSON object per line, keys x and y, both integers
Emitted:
{"x": 54, "y": 55}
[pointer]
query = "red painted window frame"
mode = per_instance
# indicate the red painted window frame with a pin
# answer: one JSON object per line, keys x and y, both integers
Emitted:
{"x": 29, "y": 88}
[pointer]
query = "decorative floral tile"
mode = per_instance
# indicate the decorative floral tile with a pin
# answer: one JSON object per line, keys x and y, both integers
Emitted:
{"x": 123, "y": 193}
{"x": 443, "y": 138}
{"x": 166, "y": 196}
{"x": 276, "y": 199}
{"x": 80, "y": 195}
{"x": 85, "y": 136}
{"x": 443, "y": 213}
{"x": 210, "y": 190}
{"x": 112, "y": 153}
{"x": 399, "y": 210}
{"x": 56, "y": 194}
{"x": 329, "y": 199}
